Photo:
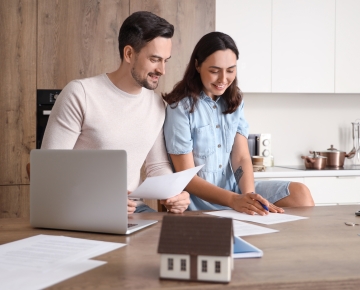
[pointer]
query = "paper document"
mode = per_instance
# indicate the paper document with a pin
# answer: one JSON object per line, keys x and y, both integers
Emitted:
{"x": 165, "y": 186}
{"x": 271, "y": 218}
{"x": 242, "y": 229}
{"x": 41, "y": 261}
{"x": 243, "y": 249}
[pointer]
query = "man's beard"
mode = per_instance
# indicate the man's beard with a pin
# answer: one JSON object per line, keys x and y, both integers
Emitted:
{"x": 144, "y": 82}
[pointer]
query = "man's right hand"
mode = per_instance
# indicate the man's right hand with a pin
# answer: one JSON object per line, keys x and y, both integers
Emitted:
{"x": 131, "y": 205}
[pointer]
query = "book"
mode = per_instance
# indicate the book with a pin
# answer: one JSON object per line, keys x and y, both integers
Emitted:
{"x": 243, "y": 249}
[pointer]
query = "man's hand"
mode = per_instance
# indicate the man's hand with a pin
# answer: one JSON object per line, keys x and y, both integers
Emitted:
{"x": 250, "y": 203}
{"x": 177, "y": 204}
{"x": 131, "y": 205}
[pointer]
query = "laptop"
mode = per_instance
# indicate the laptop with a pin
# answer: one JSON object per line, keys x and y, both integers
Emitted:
{"x": 81, "y": 190}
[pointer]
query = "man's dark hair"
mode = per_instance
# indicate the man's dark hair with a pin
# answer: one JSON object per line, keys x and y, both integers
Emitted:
{"x": 142, "y": 27}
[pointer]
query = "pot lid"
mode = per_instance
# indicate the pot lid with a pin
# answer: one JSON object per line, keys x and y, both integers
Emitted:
{"x": 332, "y": 149}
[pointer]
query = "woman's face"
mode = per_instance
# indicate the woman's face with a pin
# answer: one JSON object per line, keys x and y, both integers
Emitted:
{"x": 217, "y": 72}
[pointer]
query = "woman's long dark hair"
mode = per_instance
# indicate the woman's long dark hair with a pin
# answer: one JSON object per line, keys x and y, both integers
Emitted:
{"x": 191, "y": 86}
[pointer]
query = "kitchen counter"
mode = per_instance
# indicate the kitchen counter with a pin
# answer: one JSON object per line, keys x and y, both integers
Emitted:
{"x": 290, "y": 172}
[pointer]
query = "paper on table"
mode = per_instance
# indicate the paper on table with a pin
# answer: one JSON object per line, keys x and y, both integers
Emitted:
{"x": 165, "y": 186}
{"x": 271, "y": 218}
{"x": 27, "y": 279}
{"x": 46, "y": 252}
{"x": 40, "y": 261}
{"x": 242, "y": 229}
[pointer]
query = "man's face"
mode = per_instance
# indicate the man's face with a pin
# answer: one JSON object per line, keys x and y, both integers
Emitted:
{"x": 149, "y": 63}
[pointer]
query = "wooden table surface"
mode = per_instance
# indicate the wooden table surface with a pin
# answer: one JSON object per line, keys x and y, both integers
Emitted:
{"x": 316, "y": 253}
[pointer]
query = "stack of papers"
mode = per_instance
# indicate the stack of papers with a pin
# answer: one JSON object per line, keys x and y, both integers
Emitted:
{"x": 41, "y": 261}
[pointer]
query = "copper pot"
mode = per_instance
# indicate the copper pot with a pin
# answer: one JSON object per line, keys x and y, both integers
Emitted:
{"x": 335, "y": 158}
{"x": 315, "y": 161}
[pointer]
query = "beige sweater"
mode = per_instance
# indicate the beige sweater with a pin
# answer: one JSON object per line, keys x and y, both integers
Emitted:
{"x": 93, "y": 113}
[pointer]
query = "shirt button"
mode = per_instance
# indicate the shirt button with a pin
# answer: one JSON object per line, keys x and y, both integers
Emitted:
{"x": 219, "y": 145}
{"x": 220, "y": 166}
{"x": 214, "y": 107}
{"x": 217, "y": 126}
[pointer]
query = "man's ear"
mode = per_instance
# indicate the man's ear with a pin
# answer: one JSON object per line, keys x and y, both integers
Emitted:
{"x": 129, "y": 53}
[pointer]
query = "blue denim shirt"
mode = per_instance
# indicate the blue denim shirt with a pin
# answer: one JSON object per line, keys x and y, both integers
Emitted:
{"x": 209, "y": 134}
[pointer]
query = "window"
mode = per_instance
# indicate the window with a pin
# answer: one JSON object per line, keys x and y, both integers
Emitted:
{"x": 217, "y": 267}
{"x": 203, "y": 266}
{"x": 170, "y": 264}
{"x": 183, "y": 265}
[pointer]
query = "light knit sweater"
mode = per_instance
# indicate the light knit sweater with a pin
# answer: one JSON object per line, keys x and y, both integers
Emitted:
{"x": 93, "y": 113}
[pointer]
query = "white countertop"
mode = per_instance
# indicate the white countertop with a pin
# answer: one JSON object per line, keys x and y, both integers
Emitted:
{"x": 277, "y": 171}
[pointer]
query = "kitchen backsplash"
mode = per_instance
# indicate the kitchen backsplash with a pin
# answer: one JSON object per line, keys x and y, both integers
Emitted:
{"x": 302, "y": 122}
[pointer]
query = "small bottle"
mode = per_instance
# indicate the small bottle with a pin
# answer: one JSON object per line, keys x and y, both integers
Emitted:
{"x": 272, "y": 160}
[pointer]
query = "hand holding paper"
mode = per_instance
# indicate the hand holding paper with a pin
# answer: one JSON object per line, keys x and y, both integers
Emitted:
{"x": 165, "y": 186}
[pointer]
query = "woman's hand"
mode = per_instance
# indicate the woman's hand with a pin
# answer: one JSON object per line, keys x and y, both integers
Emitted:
{"x": 275, "y": 209}
{"x": 177, "y": 204}
{"x": 250, "y": 203}
{"x": 131, "y": 205}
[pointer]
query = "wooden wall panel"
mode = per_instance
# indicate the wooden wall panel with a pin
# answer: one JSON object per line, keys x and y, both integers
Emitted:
{"x": 14, "y": 201}
{"x": 192, "y": 19}
{"x": 17, "y": 88}
{"x": 77, "y": 39}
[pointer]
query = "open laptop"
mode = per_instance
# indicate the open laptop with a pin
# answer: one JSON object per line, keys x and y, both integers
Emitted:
{"x": 82, "y": 190}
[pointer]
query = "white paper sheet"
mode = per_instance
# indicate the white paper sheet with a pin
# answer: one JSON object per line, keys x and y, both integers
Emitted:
{"x": 271, "y": 218}
{"x": 165, "y": 186}
{"x": 242, "y": 229}
{"x": 27, "y": 279}
{"x": 45, "y": 252}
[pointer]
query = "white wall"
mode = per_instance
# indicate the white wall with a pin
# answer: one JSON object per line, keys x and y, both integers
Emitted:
{"x": 302, "y": 122}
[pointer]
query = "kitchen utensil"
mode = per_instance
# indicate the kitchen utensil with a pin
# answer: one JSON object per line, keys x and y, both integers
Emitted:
{"x": 315, "y": 161}
{"x": 335, "y": 158}
{"x": 351, "y": 224}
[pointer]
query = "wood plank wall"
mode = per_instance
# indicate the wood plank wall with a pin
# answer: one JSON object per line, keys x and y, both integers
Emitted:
{"x": 44, "y": 44}
{"x": 17, "y": 102}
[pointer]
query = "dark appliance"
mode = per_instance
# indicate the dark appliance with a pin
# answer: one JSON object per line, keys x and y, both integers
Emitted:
{"x": 45, "y": 100}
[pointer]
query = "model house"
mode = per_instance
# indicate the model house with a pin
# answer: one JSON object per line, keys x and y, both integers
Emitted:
{"x": 196, "y": 248}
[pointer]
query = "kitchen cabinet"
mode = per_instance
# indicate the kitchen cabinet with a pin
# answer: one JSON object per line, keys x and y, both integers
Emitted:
{"x": 326, "y": 186}
{"x": 341, "y": 189}
{"x": 248, "y": 22}
{"x": 303, "y": 37}
{"x": 347, "y": 60}
{"x": 17, "y": 89}
{"x": 294, "y": 46}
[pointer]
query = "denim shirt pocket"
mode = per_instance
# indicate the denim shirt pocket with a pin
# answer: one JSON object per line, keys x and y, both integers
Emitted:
{"x": 230, "y": 132}
{"x": 204, "y": 144}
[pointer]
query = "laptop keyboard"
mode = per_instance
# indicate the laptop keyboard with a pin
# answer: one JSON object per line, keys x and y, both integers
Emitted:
{"x": 132, "y": 225}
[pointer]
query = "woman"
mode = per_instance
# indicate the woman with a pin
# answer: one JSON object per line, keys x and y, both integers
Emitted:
{"x": 205, "y": 125}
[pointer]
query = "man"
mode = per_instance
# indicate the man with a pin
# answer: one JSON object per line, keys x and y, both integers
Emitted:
{"x": 120, "y": 110}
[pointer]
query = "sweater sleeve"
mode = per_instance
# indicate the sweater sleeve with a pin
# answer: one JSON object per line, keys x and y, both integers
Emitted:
{"x": 157, "y": 162}
{"x": 66, "y": 118}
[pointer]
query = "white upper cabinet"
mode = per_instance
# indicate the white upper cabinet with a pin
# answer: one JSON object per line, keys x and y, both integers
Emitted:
{"x": 303, "y": 46}
{"x": 248, "y": 22}
{"x": 347, "y": 60}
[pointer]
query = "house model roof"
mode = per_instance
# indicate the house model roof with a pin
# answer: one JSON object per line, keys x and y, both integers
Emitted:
{"x": 196, "y": 235}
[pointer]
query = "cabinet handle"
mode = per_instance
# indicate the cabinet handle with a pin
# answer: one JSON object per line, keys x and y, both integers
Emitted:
{"x": 347, "y": 177}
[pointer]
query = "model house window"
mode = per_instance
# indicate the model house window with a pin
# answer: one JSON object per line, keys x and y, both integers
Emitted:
{"x": 183, "y": 265}
{"x": 217, "y": 267}
{"x": 203, "y": 266}
{"x": 170, "y": 264}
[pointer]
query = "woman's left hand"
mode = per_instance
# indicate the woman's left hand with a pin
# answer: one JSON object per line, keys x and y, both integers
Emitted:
{"x": 177, "y": 204}
{"x": 275, "y": 209}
